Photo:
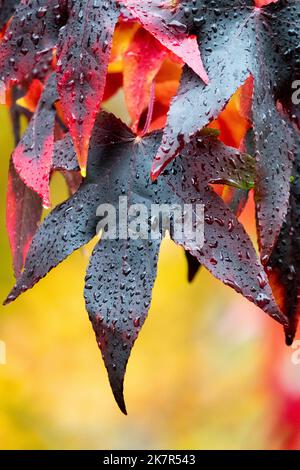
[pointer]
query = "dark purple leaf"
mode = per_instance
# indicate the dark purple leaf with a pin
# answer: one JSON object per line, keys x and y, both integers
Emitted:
{"x": 121, "y": 274}
{"x": 237, "y": 39}
{"x": 64, "y": 157}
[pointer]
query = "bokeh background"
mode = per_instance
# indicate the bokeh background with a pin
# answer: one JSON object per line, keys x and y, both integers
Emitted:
{"x": 209, "y": 370}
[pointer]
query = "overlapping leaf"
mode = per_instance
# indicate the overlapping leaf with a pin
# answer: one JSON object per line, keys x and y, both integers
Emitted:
{"x": 83, "y": 54}
{"x": 26, "y": 50}
{"x": 122, "y": 271}
{"x": 284, "y": 264}
{"x": 171, "y": 32}
{"x": 33, "y": 156}
{"x": 24, "y": 206}
{"x": 235, "y": 39}
{"x": 232, "y": 126}
{"x": 142, "y": 61}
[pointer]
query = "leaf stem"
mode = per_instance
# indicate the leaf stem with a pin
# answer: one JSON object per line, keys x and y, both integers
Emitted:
{"x": 150, "y": 109}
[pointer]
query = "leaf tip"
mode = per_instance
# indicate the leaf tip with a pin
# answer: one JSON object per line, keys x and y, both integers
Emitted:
{"x": 156, "y": 169}
{"x": 290, "y": 331}
{"x": 46, "y": 205}
{"x": 83, "y": 172}
{"x": 153, "y": 175}
{"x": 203, "y": 75}
{"x": 121, "y": 404}
{"x": 289, "y": 338}
{"x": 116, "y": 375}
{"x": 10, "y": 298}
{"x": 16, "y": 291}
{"x": 115, "y": 357}
{"x": 189, "y": 52}
{"x": 82, "y": 150}
{"x": 116, "y": 380}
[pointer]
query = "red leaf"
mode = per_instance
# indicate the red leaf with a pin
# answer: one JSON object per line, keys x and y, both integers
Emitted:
{"x": 283, "y": 267}
{"x": 142, "y": 62}
{"x": 171, "y": 33}
{"x": 122, "y": 272}
{"x": 84, "y": 47}
{"x": 236, "y": 40}
{"x": 113, "y": 83}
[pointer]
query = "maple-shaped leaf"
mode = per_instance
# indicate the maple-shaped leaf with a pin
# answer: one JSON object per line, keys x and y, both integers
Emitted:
{"x": 7, "y": 8}
{"x": 236, "y": 39}
{"x": 83, "y": 51}
{"x": 33, "y": 156}
{"x": 160, "y": 19}
{"x": 283, "y": 268}
{"x": 142, "y": 61}
{"x": 26, "y": 50}
{"x": 122, "y": 269}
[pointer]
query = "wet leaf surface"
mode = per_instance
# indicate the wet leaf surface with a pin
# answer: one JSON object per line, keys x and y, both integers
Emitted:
{"x": 34, "y": 154}
{"x": 283, "y": 267}
{"x": 237, "y": 39}
{"x": 83, "y": 50}
{"x": 122, "y": 271}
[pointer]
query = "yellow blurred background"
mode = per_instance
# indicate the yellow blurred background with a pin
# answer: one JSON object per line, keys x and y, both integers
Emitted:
{"x": 209, "y": 370}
